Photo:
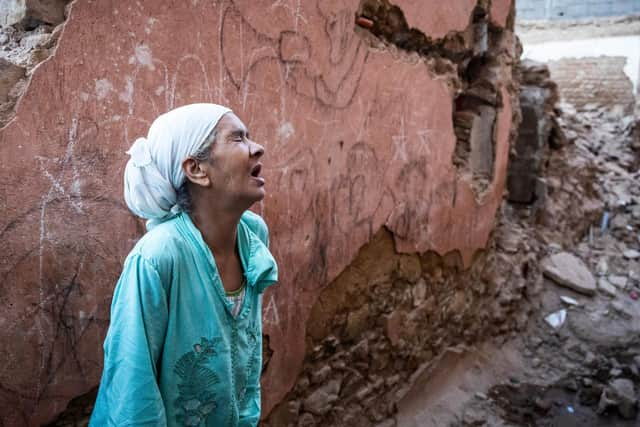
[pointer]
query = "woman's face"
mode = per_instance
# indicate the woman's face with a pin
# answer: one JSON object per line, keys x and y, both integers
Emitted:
{"x": 234, "y": 166}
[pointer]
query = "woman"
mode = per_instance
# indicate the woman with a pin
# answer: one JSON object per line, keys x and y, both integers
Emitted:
{"x": 184, "y": 346}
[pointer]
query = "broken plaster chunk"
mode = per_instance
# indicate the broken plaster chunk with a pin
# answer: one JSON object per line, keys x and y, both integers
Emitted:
{"x": 556, "y": 319}
{"x": 569, "y": 271}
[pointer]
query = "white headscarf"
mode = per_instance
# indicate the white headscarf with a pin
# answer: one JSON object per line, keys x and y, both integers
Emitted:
{"x": 154, "y": 172}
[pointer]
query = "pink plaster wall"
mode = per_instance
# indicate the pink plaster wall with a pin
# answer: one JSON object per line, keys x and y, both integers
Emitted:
{"x": 436, "y": 19}
{"x": 356, "y": 139}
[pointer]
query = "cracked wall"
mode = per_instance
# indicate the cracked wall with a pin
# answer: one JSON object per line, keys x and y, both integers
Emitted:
{"x": 363, "y": 132}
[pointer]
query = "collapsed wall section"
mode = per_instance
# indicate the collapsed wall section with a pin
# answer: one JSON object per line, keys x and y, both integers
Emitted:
{"x": 359, "y": 133}
{"x": 387, "y": 317}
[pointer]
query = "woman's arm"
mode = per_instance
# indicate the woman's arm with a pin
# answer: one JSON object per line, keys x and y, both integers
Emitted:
{"x": 129, "y": 393}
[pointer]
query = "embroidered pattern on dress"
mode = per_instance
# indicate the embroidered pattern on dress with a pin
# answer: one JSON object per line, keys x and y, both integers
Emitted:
{"x": 196, "y": 399}
{"x": 252, "y": 363}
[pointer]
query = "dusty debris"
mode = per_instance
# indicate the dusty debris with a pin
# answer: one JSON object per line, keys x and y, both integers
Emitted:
{"x": 595, "y": 356}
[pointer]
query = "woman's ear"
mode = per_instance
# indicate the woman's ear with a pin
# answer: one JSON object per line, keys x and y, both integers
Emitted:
{"x": 194, "y": 172}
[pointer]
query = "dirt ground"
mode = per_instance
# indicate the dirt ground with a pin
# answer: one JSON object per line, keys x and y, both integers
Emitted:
{"x": 584, "y": 370}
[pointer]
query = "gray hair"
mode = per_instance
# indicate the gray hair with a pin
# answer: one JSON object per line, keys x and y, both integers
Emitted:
{"x": 201, "y": 155}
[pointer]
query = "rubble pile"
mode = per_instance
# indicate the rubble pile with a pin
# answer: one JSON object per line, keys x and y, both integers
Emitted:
{"x": 582, "y": 349}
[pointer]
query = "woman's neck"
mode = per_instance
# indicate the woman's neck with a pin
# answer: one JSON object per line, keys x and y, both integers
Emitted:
{"x": 219, "y": 229}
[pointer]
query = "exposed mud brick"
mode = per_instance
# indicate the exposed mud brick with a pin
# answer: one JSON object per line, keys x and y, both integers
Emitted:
{"x": 481, "y": 142}
{"x": 359, "y": 138}
{"x": 406, "y": 331}
{"x": 595, "y": 80}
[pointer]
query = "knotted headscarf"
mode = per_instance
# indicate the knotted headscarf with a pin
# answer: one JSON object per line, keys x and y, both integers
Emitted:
{"x": 154, "y": 172}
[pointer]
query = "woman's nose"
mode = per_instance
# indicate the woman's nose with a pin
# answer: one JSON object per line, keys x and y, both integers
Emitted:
{"x": 255, "y": 149}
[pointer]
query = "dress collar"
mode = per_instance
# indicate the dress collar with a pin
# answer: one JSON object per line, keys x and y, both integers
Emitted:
{"x": 259, "y": 266}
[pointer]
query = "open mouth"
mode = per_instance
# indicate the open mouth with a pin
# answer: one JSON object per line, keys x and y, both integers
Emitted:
{"x": 255, "y": 171}
{"x": 255, "y": 174}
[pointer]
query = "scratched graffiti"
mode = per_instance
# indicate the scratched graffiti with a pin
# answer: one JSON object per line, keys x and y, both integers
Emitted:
{"x": 351, "y": 147}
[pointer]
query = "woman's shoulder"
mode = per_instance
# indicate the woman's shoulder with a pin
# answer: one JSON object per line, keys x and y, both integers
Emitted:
{"x": 257, "y": 225}
{"x": 161, "y": 246}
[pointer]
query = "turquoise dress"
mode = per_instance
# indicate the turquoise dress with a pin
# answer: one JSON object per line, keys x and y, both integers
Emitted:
{"x": 174, "y": 353}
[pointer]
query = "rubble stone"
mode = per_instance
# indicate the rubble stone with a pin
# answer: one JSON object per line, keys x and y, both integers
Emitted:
{"x": 621, "y": 309}
{"x": 320, "y": 401}
{"x": 306, "y": 420}
{"x": 631, "y": 254}
{"x": 618, "y": 281}
{"x": 620, "y": 393}
{"x": 567, "y": 270}
{"x": 319, "y": 376}
{"x": 605, "y": 287}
